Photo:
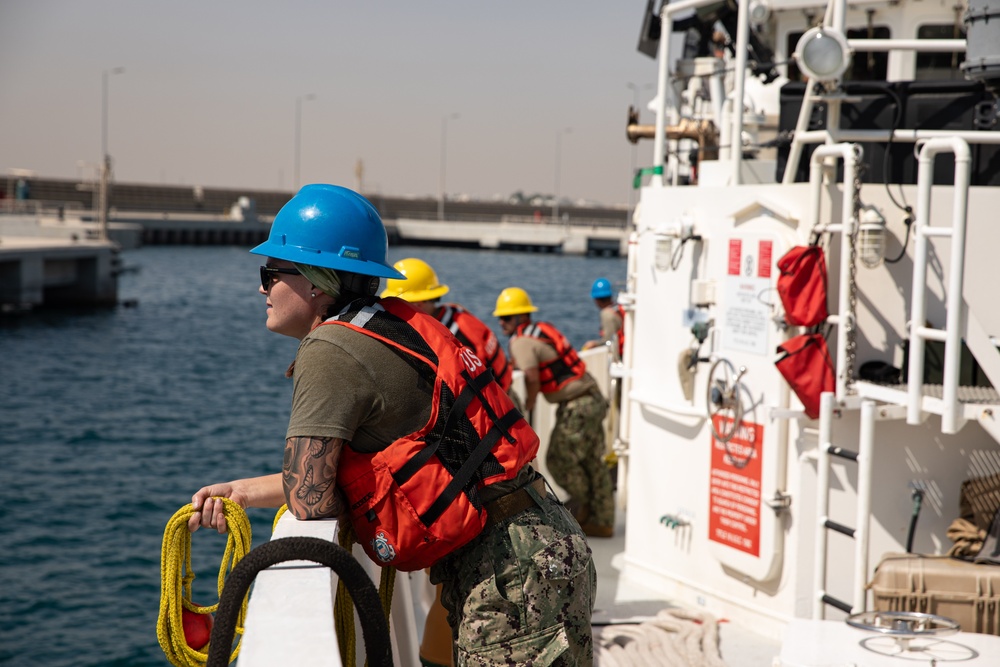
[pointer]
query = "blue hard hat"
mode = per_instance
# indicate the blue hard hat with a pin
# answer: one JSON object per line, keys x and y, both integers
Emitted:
{"x": 332, "y": 227}
{"x": 601, "y": 289}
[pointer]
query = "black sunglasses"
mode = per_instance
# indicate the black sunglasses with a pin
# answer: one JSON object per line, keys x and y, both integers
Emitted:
{"x": 507, "y": 318}
{"x": 267, "y": 274}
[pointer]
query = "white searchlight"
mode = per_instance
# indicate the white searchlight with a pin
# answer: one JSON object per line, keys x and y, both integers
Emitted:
{"x": 823, "y": 54}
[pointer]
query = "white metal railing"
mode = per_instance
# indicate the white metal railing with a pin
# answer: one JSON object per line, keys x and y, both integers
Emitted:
{"x": 844, "y": 318}
{"x": 955, "y": 322}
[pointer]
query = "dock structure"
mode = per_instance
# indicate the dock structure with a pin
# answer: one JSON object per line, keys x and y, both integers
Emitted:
{"x": 197, "y": 215}
{"x": 239, "y": 226}
{"x": 39, "y": 271}
{"x": 527, "y": 235}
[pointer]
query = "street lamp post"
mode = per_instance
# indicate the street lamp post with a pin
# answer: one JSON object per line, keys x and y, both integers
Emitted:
{"x": 444, "y": 156}
{"x": 298, "y": 134}
{"x": 102, "y": 196}
{"x": 555, "y": 203}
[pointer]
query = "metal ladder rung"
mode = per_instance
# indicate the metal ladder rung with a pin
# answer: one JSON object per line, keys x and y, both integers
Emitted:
{"x": 860, "y": 534}
{"x": 839, "y": 527}
{"x": 843, "y": 453}
{"x": 839, "y": 604}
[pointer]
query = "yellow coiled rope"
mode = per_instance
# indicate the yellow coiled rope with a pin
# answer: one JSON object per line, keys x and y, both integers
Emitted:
{"x": 277, "y": 515}
{"x": 176, "y": 577}
{"x": 343, "y": 605}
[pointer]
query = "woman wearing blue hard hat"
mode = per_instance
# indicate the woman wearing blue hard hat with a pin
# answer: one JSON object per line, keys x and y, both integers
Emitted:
{"x": 400, "y": 430}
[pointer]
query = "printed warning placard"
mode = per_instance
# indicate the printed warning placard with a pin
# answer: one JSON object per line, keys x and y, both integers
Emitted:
{"x": 734, "y": 492}
{"x": 746, "y": 312}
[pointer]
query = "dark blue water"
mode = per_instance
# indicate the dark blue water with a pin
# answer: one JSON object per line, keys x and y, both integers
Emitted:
{"x": 110, "y": 420}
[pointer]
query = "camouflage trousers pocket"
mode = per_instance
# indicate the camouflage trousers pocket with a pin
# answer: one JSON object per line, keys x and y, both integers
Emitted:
{"x": 542, "y": 649}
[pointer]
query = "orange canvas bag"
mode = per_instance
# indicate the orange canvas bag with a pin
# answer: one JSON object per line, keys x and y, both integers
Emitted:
{"x": 805, "y": 365}
{"x": 802, "y": 285}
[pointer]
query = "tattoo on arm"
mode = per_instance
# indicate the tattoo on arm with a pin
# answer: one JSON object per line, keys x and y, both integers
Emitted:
{"x": 310, "y": 475}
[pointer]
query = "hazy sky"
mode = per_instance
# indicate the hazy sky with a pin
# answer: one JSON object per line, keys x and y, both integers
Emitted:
{"x": 208, "y": 95}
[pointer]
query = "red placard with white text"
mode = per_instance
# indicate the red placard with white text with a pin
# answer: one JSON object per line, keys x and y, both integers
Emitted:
{"x": 734, "y": 497}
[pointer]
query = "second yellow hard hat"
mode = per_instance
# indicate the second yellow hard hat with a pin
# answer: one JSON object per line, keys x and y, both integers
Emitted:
{"x": 420, "y": 284}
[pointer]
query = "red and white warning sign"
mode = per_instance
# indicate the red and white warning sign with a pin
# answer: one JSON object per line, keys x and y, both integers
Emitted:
{"x": 746, "y": 312}
{"x": 734, "y": 498}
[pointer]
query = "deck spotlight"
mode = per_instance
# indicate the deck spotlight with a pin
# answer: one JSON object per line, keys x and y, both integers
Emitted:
{"x": 760, "y": 11}
{"x": 871, "y": 237}
{"x": 823, "y": 54}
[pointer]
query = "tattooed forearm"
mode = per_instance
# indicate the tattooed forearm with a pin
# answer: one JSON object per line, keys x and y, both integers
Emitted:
{"x": 309, "y": 477}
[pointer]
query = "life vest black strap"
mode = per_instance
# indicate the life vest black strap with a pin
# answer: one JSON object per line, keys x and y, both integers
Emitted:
{"x": 474, "y": 388}
{"x": 494, "y": 417}
{"x": 471, "y": 465}
{"x": 557, "y": 370}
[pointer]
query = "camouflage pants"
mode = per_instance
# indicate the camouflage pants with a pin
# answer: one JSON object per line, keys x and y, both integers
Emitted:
{"x": 576, "y": 456}
{"x": 522, "y": 591}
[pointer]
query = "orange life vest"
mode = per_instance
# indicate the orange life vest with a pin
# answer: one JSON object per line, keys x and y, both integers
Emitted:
{"x": 566, "y": 367}
{"x": 474, "y": 333}
{"x": 418, "y": 499}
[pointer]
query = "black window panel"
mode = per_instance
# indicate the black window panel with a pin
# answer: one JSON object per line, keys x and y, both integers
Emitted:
{"x": 940, "y": 66}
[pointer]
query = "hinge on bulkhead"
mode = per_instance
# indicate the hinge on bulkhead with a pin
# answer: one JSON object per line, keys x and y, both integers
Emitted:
{"x": 780, "y": 502}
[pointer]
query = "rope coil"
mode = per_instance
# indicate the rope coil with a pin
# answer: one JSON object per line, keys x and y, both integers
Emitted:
{"x": 177, "y": 576}
{"x": 343, "y": 603}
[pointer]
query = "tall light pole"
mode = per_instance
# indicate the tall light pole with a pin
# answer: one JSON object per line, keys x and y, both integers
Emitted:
{"x": 555, "y": 203}
{"x": 298, "y": 135}
{"x": 102, "y": 193}
{"x": 635, "y": 88}
{"x": 104, "y": 107}
{"x": 444, "y": 156}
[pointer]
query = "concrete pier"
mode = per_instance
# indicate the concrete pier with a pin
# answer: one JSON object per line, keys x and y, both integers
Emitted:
{"x": 538, "y": 236}
{"x": 52, "y": 272}
{"x": 46, "y": 265}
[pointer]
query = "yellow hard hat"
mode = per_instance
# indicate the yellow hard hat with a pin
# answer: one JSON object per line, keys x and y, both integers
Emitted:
{"x": 420, "y": 283}
{"x": 513, "y": 301}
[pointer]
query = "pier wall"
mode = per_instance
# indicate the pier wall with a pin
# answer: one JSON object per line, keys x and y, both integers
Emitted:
{"x": 194, "y": 215}
{"x": 56, "y": 272}
{"x": 197, "y": 199}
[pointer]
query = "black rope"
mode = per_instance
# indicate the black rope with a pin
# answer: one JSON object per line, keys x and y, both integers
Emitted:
{"x": 374, "y": 627}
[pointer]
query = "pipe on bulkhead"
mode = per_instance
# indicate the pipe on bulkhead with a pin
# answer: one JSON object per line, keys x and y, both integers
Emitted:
{"x": 703, "y": 131}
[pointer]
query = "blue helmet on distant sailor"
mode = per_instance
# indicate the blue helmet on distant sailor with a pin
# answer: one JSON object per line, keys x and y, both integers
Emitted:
{"x": 601, "y": 289}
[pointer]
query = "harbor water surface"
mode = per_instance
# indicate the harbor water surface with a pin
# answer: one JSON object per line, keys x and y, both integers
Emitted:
{"x": 111, "y": 419}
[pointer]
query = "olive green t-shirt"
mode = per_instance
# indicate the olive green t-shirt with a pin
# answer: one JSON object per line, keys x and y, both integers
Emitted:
{"x": 351, "y": 386}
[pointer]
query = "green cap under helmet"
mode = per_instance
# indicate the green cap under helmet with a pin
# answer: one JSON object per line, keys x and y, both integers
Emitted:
{"x": 332, "y": 227}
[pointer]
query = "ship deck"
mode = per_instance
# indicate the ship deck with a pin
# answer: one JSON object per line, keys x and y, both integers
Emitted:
{"x": 621, "y": 600}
